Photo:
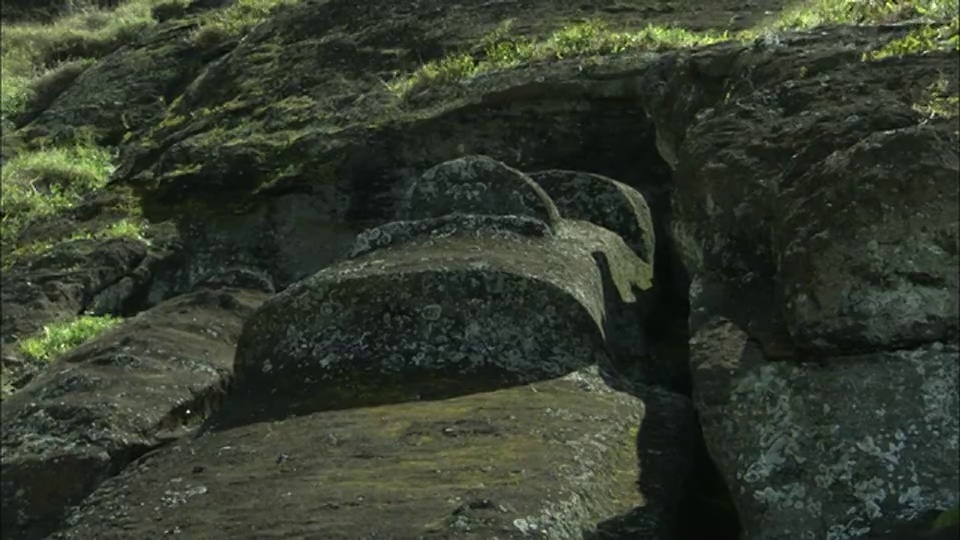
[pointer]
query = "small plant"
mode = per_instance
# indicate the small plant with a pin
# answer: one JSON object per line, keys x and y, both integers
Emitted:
{"x": 922, "y": 40}
{"x": 60, "y": 337}
{"x": 938, "y": 101}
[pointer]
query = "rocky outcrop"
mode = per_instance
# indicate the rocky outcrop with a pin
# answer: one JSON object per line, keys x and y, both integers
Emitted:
{"x": 821, "y": 237}
{"x": 486, "y": 334}
{"x": 66, "y": 281}
{"x": 858, "y": 443}
{"x": 113, "y": 399}
{"x": 806, "y": 193}
{"x": 443, "y": 306}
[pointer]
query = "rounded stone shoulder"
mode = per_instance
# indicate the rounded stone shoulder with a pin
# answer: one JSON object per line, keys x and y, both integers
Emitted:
{"x": 602, "y": 201}
{"x": 402, "y": 232}
{"x": 477, "y": 185}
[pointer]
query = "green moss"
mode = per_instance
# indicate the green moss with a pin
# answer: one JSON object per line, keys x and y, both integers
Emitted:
{"x": 948, "y": 518}
{"x": 235, "y": 20}
{"x": 60, "y": 337}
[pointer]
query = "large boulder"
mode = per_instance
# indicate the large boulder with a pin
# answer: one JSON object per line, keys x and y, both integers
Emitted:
{"x": 821, "y": 237}
{"x": 547, "y": 460}
{"x": 870, "y": 260}
{"x": 113, "y": 399}
{"x": 832, "y": 449}
{"x": 464, "y": 304}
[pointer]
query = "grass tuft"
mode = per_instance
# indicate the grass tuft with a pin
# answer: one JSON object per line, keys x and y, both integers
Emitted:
{"x": 43, "y": 182}
{"x": 811, "y": 14}
{"x": 235, "y": 20}
{"x": 60, "y": 337}
{"x": 938, "y": 101}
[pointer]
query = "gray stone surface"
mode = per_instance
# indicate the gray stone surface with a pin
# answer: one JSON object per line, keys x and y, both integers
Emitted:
{"x": 605, "y": 202}
{"x": 828, "y": 449}
{"x": 477, "y": 185}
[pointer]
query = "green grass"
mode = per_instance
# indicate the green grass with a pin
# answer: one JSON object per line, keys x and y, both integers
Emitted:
{"x": 919, "y": 41}
{"x": 235, "y": 20}
{"x": 31, "y": 49}
{"x": 58, "y": 338}
{"x": 500, "y": 50}
{"x": 812, "y": 13}
{"x": 46, "y": 181}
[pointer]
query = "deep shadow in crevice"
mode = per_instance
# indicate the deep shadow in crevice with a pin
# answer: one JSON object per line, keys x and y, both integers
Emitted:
{"x": 707, "y": 509}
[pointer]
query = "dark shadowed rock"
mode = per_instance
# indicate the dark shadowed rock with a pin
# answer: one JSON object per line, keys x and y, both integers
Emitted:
{"x": 237, "y": 278}
{"x": 477, "y": 185}
{"x": 868, "y": 252}
{"x": 830, "y": 449}
{"x": 666, "y": 445}
{"x": 436, "y": 316}
{"x": 548, "y": 460}
{"x": 113, "y": 399}
{"x": 603, "y": 201}
{"x": 64, "y": 282}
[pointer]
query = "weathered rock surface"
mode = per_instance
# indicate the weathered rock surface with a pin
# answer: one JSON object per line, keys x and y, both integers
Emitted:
{"x": 878, "y": 270}
{"x": 551, "y": 460}
{"x": 107, "y": 402}
{"x": 824, "y": 231}
{"x": 64, "y": 282}
{"x": 602, "y": 201}
{"x": 279, "y": 152}
{"x": 129, "y": 88}
{"x": 477, "y": 185}
{"x": 828, "y": 449}
{"x": 436, "y": 316}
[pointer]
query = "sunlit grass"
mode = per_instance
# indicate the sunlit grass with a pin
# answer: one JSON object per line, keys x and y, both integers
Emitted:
{"x": 235, "y": 20}
{"x": 60, "y": 337}
{"x": 44, "y": 182}
{"x": 31, "y": 49}
{"x": 500, "y": 50}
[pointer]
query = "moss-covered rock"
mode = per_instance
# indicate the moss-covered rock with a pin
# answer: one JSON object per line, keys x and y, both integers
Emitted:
{"x": 113, "y": 399}
{"x": 550, "y": 459}
{"x": 433, "y": 317}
